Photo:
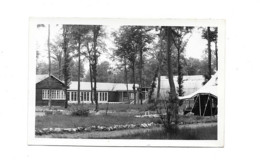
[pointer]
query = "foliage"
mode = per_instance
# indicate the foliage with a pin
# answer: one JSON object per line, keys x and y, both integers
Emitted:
{"x": 213, "y": 34}
{"x": 66, "y": 62}
{"x": 75, "y": 70}
{"x": 179, "y": 41}
{"x": 130, "y": 42}
{"x": 79, "y": 110}
{"x": 104, "y": 73}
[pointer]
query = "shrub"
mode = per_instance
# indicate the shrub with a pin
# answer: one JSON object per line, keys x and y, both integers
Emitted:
{"x": 80, "y": 110}
{"x": 48, "y": 112}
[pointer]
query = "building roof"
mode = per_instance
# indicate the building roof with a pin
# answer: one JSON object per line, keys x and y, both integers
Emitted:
{"x": 190, "y": 84}
{"x": 42, "y": 77}
{"x": 102, "y": 86}
{"x": 39, "y": 78}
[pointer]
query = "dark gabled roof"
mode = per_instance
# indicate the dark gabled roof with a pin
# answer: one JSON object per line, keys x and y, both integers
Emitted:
{"x": 42, "y": 77}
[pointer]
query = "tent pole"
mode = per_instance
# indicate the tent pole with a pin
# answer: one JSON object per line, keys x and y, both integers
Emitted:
{"x": 206, "y": 106}
{"x": 194, "y": 104}
{"x": 210, "y": 105}
{"x": 199, "y": 105}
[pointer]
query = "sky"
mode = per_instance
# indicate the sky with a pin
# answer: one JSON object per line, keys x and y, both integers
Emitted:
{"x": 195, "y": 47}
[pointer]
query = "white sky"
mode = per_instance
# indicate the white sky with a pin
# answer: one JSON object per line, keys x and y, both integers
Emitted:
{"x": 195, "y": 46}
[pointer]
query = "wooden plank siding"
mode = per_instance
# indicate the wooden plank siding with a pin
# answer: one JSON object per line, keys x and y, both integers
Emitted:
{"x": 44, "y": 85}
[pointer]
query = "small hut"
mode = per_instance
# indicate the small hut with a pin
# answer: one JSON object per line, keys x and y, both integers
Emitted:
{"x": 45, "y": 83}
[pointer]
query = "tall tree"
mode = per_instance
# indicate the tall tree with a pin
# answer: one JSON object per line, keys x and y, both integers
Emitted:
{"x": 160, "y": 59}
{"x": 89, "y": 56}
{"x": 96, "y": 35}
{"x": 66, "y": 62}
{"x": 179, "y": 41}
{"x": 143, "y": 39}
{"x": 94, "y": 46}
{"x": 209, "y": 51}
{"x": 123, "y": 52}
{"x": 78, "y": 33}
{"x": 215, "y": 40}
{"x": 56, "y": 49}
{"x": 127, "y": 49}
{"x": 211, "y": 36}
{"x": 49, "y": 57}
{"x": 172, "y": 94}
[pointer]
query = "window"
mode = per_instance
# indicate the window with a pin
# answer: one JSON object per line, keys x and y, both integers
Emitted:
{"x": 68, "y": 94}
{"x": 105, "y": 96}
{"x": 88, "y": 95}
{"x": 73, "y": 96}
{"x": 58, "y": 94}
{"x": 84, "y": 96}
{"x": 45, "y": 94}
{"x": 55, "y": 94}
{"x": 102, "y": 96}
{"x": 81, "y": 96}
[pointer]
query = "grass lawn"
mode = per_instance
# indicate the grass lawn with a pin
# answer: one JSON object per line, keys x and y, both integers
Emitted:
{"x": 121, "y": 115}
{"x": 186, "y": 133}
{"x": 67, "y": 121}
{"x": 204, "y": 132}
{"x": 117, "y": 118}
{"x": 114, "y": 107}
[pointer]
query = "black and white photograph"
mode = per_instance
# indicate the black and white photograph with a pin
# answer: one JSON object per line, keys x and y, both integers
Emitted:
{"x": 154, "y": 83}
{"x": 110, "y": 82}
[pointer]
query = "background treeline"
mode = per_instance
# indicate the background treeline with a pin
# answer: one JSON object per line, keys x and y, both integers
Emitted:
{"x": 106, "y": 73}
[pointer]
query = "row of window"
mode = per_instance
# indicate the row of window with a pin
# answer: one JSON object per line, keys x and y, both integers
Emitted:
{"x": 85, "y": 96}
{"x": 55, "y": 94}
{"x": 73, "y": 95}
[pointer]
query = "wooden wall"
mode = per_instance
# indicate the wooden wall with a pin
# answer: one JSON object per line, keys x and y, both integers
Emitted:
{"x": 55, "y": 84}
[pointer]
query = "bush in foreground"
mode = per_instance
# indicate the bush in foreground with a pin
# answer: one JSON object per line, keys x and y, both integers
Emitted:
{"x": 80, "y": 110}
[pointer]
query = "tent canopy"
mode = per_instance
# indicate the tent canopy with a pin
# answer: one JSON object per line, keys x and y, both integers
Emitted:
{"x": 209, "y": 88}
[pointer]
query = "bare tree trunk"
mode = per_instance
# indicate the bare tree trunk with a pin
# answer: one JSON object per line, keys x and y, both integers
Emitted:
{"x": 159, "y": 66}
{"x": 209, "y": 52}
{"x": 95, "y": 88}
{"x": 60, "y": 69}
{"x": 91, "y": 82}
{"x": 66, "y": 64}
{"x": 172, "y": 95}
{"x": 134, "y": 82}
{"x": 90, "y": 73}
{"x": 49, "y": 56}
{"x": 216, "y": 52}
{"x": 140, "y": 77}
{"x": 180, "y": 76}
{"x": 95, "y": 36}
{"x": 126, "y": 80}
{"x": 170, "y": 72}
{"x": 159, "y": 81}
{"x": 79, "y": 70}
